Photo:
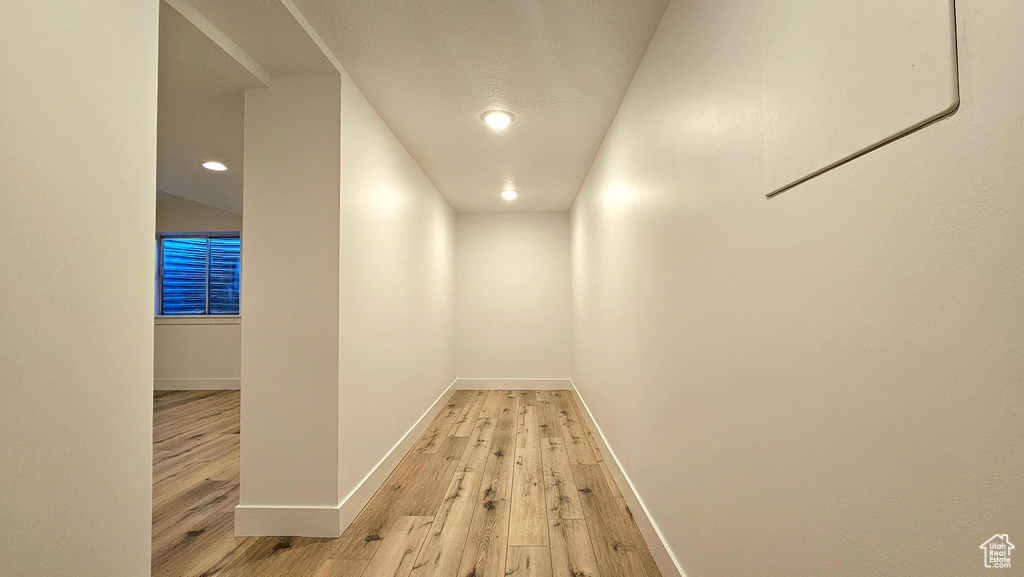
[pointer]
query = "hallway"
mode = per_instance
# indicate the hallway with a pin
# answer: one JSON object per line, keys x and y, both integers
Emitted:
{"x": 500, "y": 483}
{"x": 653, "y": 288}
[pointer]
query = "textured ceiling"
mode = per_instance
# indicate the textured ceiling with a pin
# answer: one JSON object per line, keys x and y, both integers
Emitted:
{"x": 431, "y": 68}
{"x": 265, "y": 30}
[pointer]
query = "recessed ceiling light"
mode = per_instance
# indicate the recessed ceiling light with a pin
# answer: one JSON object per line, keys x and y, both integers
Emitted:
{"x": 214, "y": 165}
{"x": 509, "y": 194}
{"x": 497, "y": 119}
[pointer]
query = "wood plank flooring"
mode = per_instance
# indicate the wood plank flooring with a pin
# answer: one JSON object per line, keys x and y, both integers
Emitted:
{"x": 501, "y": 484}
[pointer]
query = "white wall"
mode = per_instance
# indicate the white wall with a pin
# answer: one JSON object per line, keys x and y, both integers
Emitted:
{"x": 196, "y": 352}
{"x": 289, "y": 301}
{"x": 175, "y": 214}
{"x": 77, "y": 175}
{"x": 513, "y": 295}
{"x": 348, "y": 300}
{"x": 397, "y": 291}
{"x": 827, "y": 383}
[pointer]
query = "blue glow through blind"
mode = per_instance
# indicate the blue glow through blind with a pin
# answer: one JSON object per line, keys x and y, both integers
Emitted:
{"x": 199, "y": 272}
{"x": 224, "y": 264}
{"x": 183, "y": 281}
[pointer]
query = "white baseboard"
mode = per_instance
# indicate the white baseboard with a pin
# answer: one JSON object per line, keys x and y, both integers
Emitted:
{"x": 358, "y": 497}
{"x": 663, "y": 555}
{"x": 197, "y": 384}
{"x": 264, "y": 520}
{"x": 330, "y": 522}
{"x": 506, "y": 384}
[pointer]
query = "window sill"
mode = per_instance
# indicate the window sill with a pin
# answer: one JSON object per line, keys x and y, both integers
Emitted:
{"x": 197, "y": 320}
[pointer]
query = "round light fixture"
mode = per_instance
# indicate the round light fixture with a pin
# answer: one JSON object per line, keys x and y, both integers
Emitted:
{"x": 497, "y": 119}
{"x": 509, "y": 194}
{"x": 214, "y": 165}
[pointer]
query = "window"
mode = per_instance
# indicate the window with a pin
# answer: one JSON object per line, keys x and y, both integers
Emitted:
{"x": 197, "y": 274}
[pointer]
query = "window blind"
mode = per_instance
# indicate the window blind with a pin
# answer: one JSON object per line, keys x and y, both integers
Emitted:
{"x": 199, "y": 275}
{"x": 224, "y": 265}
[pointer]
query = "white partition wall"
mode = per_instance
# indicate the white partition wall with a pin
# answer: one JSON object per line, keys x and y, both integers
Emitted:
{"x": 348, "y": 305}
{"x": 78, "y": 84}
{"x": 397, "y": 299}
{"x": 289, "y": 465}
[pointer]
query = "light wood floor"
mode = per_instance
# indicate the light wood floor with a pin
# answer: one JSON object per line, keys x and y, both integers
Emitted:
{"x": 502, "y": 483}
